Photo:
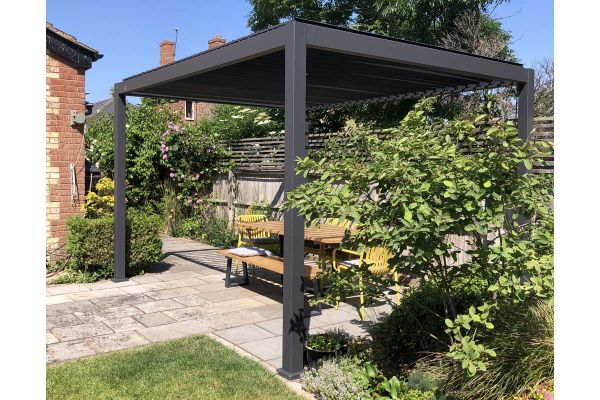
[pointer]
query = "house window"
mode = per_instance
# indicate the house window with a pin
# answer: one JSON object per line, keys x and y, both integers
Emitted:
{"x": 189, "y": 110}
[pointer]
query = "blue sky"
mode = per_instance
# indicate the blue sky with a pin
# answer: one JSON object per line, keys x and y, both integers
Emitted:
{"x": 128, "y": 32}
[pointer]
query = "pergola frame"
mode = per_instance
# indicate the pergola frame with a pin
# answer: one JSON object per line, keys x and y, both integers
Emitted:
{"x": 418, "y": 71}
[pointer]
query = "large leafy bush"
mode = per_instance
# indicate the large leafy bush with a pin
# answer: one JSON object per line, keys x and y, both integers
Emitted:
{"x": 145, "y": 124}
{"x": 425, "y": 183}
{"x": 415, "y": 328}
{"x": 90, "y": 244}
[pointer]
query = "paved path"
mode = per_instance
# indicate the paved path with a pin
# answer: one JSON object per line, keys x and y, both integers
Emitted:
{"x": 183, "y": 295}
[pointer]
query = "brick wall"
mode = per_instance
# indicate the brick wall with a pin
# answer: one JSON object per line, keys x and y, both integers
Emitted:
{"x": 65, "y": 92}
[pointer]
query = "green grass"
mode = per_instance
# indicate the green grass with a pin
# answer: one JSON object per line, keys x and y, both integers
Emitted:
{"x": 191, "y": 368}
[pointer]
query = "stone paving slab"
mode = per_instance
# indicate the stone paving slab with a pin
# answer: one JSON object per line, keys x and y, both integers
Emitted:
{"x": 170, "y": 293}
{"x": 80, "y": 331}
{"x": 265, "y": 349}
{"x": 65, "y": 289}
{"x": 95, "y": 294}
{"x": 154, "y": 319}
{"x": 69, "y": 350}
{"x": 159, "y": 305}
{"x": 183, "y": 295}
{"x": 245, "y": 333}
{"x": 117, "y": 341}
{"x": 175, "y": 330}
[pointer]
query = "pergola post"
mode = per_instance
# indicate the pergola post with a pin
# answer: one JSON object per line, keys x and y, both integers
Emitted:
{"x": 525, "y": 110}
{"x": 119, "y": 179}
{"x": 295, "y": 146}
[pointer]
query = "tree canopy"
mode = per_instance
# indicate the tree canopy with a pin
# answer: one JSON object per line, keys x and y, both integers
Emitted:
{"x": 466, "y": 25}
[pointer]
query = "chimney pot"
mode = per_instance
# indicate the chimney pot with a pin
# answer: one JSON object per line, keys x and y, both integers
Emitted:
{"x": 216, "y": 42}
{"x": 167, "y": 52}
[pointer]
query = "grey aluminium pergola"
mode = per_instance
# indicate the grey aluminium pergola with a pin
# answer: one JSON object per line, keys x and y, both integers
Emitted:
{"x": 298, "y": 66}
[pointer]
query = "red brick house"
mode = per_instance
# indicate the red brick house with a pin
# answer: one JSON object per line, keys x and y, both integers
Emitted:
{"x": 66, "y": 62}
{"x": 190, "y": 111}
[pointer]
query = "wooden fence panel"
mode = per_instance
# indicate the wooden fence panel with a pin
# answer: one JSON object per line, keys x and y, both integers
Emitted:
{"x": 258, "y": 171}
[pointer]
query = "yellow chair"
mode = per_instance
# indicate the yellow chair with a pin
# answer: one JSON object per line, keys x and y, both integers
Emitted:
{"x": 251, "y": 237}
{"x": 344, "y": 223}
{"x": 377, "y": 258}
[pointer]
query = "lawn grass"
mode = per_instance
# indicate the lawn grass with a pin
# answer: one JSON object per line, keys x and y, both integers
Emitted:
{"x": 193, "y": 368}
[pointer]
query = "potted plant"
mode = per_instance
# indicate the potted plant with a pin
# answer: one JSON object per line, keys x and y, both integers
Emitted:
{"x": 332, "y": 342}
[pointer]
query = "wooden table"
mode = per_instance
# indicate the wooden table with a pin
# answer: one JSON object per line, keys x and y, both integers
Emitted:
{"x": 324, "y": 234}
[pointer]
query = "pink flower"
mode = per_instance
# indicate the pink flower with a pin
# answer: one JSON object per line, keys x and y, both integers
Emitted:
{"x": 548, "y": 396}
{"x": 165, "y": 157}
{"x": 171, "y": 175}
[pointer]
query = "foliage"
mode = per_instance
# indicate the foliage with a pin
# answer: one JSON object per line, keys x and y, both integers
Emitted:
{"x": 230, "y": 123}
{"x": 423, "y": 381}
{"x": 261, "y": 208}
{"x": 380, "y": 387}
{"x": 541, "y": 391}
{"x": 101, "y": 202}
{"x": 419, "y": 20}
{"x": 543, "y": 99}
{"x": 329, "y": 340}
{"x": 523, "y": 339}
{"x": 467, "y": 25}
{"x": 145, "y": 123}
{"x": 74, "y": 276}
{"x": 205, "y": 225}
{"x": 197, "y": 367}
{"x": 415, "y": 327}
{"x": 415, "y": 190}
{"x": 90, "y": 244}
{"x": 336, "y": 379}
{"x": 193, "y": 158}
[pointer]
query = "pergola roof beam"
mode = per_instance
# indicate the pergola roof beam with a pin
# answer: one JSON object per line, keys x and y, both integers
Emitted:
{"x": 351, "y": 42}
{"x": 249, "y": 47}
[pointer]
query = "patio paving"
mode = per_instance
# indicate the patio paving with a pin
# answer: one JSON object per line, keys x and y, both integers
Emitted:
{"x": 183, "y": 295}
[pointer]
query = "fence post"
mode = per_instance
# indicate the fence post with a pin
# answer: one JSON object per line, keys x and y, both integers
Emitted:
{"x": 230, "y": 198}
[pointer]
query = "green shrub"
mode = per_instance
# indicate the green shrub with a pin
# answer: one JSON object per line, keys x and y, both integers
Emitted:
{"x": 214, "y": 230}
{"x": 189, "y": 227}
{"x": 421, "y": 380}
{"x": 414, "y": 328}
{"x": 90, "y": 244}
{"x": 205, "y": 226}
{"x": 336, "y": 379}
{"x": 523, "y": 338}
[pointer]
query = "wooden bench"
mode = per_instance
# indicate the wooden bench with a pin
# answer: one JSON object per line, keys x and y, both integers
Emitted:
{"x": 272, "y": 263}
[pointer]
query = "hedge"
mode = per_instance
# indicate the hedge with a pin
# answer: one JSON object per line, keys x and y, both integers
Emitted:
{"x": 90, "y": 243}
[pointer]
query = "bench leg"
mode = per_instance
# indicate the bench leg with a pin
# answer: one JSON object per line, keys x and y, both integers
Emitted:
{"x": 228, "y": 273}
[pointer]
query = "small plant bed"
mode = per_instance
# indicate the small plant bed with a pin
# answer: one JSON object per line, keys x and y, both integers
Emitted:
{"x": 191, "y": 368}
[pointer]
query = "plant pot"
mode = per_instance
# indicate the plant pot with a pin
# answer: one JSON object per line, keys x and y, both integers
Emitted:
{"x": 311, "y": 356}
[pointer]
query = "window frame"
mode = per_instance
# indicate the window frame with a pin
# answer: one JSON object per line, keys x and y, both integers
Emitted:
{"x": 185, "y": 113}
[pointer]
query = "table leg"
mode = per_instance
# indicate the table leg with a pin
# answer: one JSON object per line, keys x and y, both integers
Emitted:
{"x": 228, "y": 273}
{"x": 246, "y": 279}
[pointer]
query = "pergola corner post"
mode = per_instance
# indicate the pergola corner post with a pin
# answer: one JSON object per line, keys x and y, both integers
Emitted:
{"x": 525, "y": 110}
{"x": 119, "y": 180}
{"x": 295, "y": 146}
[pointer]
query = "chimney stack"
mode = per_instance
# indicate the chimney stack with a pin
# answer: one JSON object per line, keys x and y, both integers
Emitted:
{"x": 167, "y": 52}
{"x": 216, "y": 42}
